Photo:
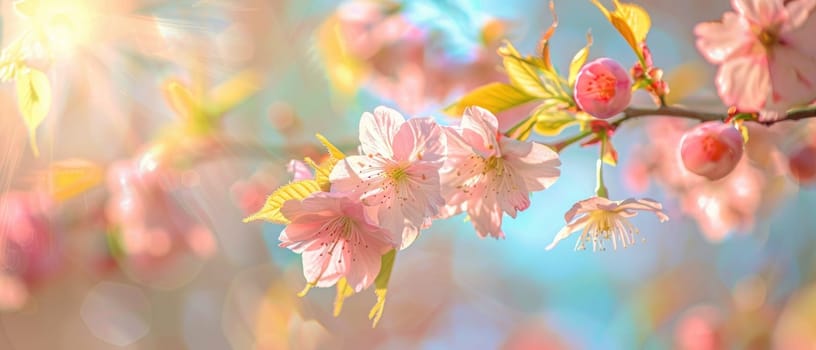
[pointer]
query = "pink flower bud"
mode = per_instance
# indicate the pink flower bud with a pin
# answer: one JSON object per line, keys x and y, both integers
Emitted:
{"x": 603, "y": 88}
{"x": 711, "y": 149}
{"x": 802, "y": 165}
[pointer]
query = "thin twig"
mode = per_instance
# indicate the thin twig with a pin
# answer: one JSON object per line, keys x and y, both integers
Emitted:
{"x": 669, "y": 111}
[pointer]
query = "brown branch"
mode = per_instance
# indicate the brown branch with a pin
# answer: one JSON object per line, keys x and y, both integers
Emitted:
{"x": 668, "y": 111}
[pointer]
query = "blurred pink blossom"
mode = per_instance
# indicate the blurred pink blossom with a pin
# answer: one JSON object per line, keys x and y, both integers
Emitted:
{"x": 401, "y": 68}
{"x": 725, "y": 205}
{"x": 29, "y": 249}
{"x": 765, "y": 52}
{"x": 152, "y": 224}
{"x": 802, "y": 164}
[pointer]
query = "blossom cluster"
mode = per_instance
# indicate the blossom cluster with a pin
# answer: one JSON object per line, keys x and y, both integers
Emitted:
{"x": 408, "y": 174}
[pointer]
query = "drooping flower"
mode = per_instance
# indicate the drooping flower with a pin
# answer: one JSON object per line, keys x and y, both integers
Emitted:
{"x": 487, "y": 174}
{"x": 604, "y": 220}
{"x": 397, "y": 174}
{"x": 603, "y": 88}
{"x": 336, "y": 239}
{"x": 711, "y": 149}
{"x": 765, "y": 52}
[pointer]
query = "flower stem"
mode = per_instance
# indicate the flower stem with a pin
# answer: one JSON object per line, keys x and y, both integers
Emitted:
{"x": 600, "y": 187}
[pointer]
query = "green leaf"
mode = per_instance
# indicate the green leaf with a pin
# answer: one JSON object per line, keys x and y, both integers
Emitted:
{"x": 294, "y": 191}
{"x": 495, "y": 97}
{"x": 523, "y": 75}
{"x": 381, "y": 286}
{"x": 578, "y": 61}
{"x": 552, "y": 123}
{"x": 34, "y": 101}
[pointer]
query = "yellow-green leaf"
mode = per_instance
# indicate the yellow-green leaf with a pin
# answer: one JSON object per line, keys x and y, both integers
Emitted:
{"x": 495, "y": 97}
{"x": 631, "y": 21}
{"x": 381, "y": 286}
{"x": 230, "y": 93}
{"x": 322, "y": 172}
{"x": 522, "y": 75}
{"x": 740, "y": 125}
{"x": 334, "y": 152}
{"x": 69, "y": 178}
{"x": 578, "y": 61}
{"x": 294, "y": 191}
{"x": 34, "y": 101}
{"x": 344, "y": 71}
{"x": 344, "y": 291}
{"x": 180, "y": 99}
{"x": 27, "y": 8}
{"x": 552, "y": 123}
{"x": 636, "y": 18}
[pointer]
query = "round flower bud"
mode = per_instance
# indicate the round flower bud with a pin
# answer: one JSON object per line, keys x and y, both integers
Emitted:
{"x": 711, "y": 149}
{"x": 603, "y": 88}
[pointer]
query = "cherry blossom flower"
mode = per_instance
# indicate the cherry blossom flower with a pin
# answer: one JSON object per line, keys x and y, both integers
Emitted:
{"x": 603, "y": 88}
{"x": 397, "y": 175}
{"x": 765, "y": 52}
{"x": 604, "y": 220}
{"x": 488, "y": 174}
{"x": 336, "y": 239}
{"x": 711, "y": 149}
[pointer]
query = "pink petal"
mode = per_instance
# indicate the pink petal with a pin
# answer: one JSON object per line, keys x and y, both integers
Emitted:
{"x": 325, "y": 266}
{"x": 479, "y": 130}
{"x": 537, "y": 164}
{"x": 801, "y": 37}
{"x": 364, "y": 268}
{"x": 512, "y": 196}
{"x": 419, "y": 139}
{"x": 644, "y": 204}
{"x": 798, "y": 12}
{"x": 744, "y": 82}
{"x": 567, "y": 230}
{"x": 299, "y": 170}
{"x": 793, "y": 78}
{"x": 761, "y": 12}
{"x": 377, "y": 131}
{"x": 720, "y": 41}
{"x": 362, "y": 176}
{"x": 486, "y": 216}
{"x": 586, "y": 206}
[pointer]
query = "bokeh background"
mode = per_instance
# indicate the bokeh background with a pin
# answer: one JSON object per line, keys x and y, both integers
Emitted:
{"x": 77, "y": 275}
